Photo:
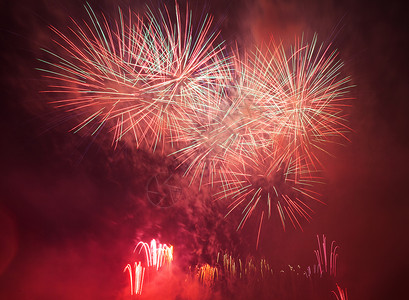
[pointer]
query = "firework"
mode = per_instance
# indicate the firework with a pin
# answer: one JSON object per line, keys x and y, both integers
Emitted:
{"x": 326, "y": 262}
{"x": 156, "y": 254}
{"x": 145, "y": 76}
{"x": 290, "y": 282}
{"x": 235, "y": 278}
{"x": 285, "y": 107}
{"x": 304, "y": 96}
{"x": 233, "y": 126}
{"x": 208, "y": 274}
{"x": 135, "y": 278}
{"x": 237, "y": 269}
{"x": 342, "y": 294}
{"x": 214, "y": 142}
{"x": 97, "y": 72}
{"x": 184, "y": 64}
{"x": 260, "y": 184}
{"x": 252, "y": 123}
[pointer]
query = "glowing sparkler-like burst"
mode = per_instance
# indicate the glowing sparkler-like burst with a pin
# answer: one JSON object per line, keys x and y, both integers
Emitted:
{"x": 145, "y": 76}
{"x": 291, "y": 104}
{"x": 253, "y": 124}
{"x": 340, "y": 294}
{"x": 136, "y": 277}
{"x": 326, "y": 262}
{"x": 217, "y": 141}
{"x": 97, "y": 71}
{"x": 253, "y": 275}
{"x": 184, "y": 63}
{"x": 305, "y": 96}
{"x": 208, "y": 275}
{"x": 157, "y": 255}
{"x": 237, "y": 269}
{"x": 262, "y": 184}
{"x": 234, "y": 125}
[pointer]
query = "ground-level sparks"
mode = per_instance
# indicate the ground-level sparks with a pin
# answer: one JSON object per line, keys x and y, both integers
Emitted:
{"x": 251, "y": 124}
{"x": 341, "y": 294}
{"x": 326, "y": 263}
{"x": 208, "y": 274}
{"x": 156, "y": 255}
{"x": 136, "y": 277}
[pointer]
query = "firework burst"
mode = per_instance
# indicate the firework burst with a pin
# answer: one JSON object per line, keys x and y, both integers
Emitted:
{"x": 136, "y": 277}
{"x": 305, "y": 96}
{"x": 291, "y": 104}
{"x": 234, "y": 125}
{"x": 340, "y": 294}
{"x": 326, "y": 263}
{"x": 207, "y": 275}
{"x": 217, "y": 141}
{"x": 262, "y": 183}
{"x": 145, "y": 76}
{"x": 157, "y": 255}
{"x": 253, "y": 124}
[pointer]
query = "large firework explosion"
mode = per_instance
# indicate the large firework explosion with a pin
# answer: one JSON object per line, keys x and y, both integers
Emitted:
{"x": 144, "y": 76}
{"x": 249, "y": 123}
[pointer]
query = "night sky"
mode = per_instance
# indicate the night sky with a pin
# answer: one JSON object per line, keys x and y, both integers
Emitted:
{"x": 72, "y": 207}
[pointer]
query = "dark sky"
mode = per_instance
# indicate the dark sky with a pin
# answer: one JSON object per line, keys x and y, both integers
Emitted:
{"x": 71, "y": 208}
